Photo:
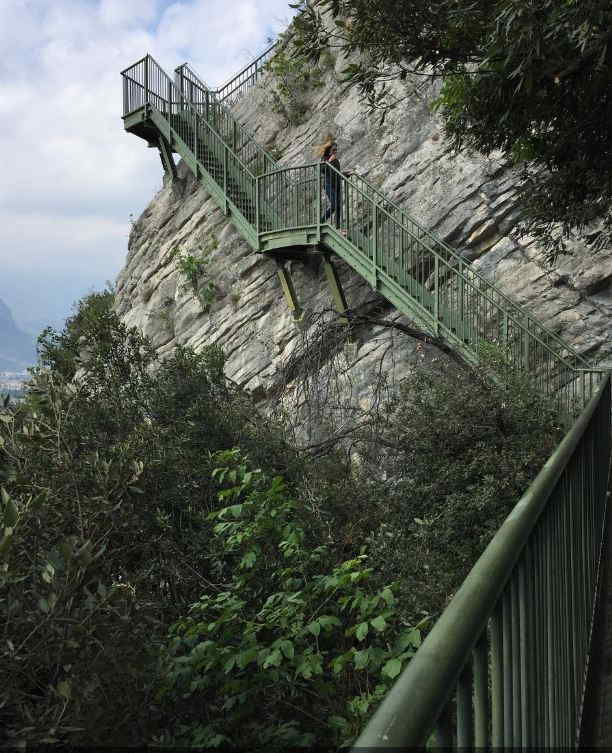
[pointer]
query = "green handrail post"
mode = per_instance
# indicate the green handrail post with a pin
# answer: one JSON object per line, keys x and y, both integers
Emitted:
{"x": 257, "y": 200}
{"x": 411, "y": 708}
{"x": 465, "y": 725}
{"x": 481, "y": 693}
{"x": 437, "y": 296}
{"x": 226, "y": 206}
{"x": 319, "y": 203}
{"x": 375, "y": 243}
{"x": 146, "y": 79}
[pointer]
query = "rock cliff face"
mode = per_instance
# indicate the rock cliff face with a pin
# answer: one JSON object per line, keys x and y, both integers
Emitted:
{"x": 468, "y": 201}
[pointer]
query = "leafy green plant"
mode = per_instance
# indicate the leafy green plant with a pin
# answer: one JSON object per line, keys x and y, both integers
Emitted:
{"x": 192, "y": 269}
{"x": 472, "y": 441}
{"x": 164, "y": 312}
{"x": 293, "y": 77}
{"x": 105, "y": 488}
{"x": 294, "y": 648}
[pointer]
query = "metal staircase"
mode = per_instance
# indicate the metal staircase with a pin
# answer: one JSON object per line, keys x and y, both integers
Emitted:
{"x": 507, "y": 661}
{"x": 278, "y": 211}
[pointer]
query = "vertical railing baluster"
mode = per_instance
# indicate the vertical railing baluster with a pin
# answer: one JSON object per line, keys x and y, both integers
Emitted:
{"x": 226, "y": 206}
{"x": 497, "y": 678}
{"x": 436, "y": 311}
{"x": 146, "y": 79}
{"x": 507, "y": 667}
{"x": 375, "y": 242}
{"x": 481, "y": 692}
{"x": 465, "y": 719}
{"x": 516, "y": 665}
{"x": 525, "y": 649}
{"x": 444, "y": 729}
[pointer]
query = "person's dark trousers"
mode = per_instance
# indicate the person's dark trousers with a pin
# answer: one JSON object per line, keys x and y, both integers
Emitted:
{"x": 333, "y": 191}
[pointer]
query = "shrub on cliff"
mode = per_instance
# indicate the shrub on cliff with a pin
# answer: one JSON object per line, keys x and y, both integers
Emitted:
{"x": 152, "y": 590}
{"x": 106, "y": 487}
{"x": 293, "y": 646}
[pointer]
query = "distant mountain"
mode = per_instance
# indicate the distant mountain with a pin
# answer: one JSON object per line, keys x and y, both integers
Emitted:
{"x": 17, "y": 348}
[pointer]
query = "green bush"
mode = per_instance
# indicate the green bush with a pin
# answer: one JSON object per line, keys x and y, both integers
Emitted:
{"x": 293, "y": 647}
{"x": 106, "y": 487}
{"x": 193, "y": 269}
{"x": 292, "y": 76}
{"x": 153, "y": 590}
{"x": 458, "y": 449}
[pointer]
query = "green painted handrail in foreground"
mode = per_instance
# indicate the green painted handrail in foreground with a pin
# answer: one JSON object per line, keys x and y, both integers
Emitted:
{"x": 515, "y": 638}
{"x": 505, "y": 665}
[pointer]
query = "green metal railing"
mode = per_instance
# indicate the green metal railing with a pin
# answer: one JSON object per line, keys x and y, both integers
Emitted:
{"x": 239, "y": 84}
{"x": 505, "y": 665}
{"x": 515, "y": 639}
{"x": 232, "y": 182}
{"x": 417, "y": 272}
{"x": 214, "y": 110}
{"x": 236, "y": 87}
{"x": 293, "y": 184}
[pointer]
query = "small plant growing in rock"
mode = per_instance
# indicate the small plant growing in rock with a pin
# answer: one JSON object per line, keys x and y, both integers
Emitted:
{"x": 192, "y": 268}
{"x": 293, "y": 77}
{"x": 162, "y": 313}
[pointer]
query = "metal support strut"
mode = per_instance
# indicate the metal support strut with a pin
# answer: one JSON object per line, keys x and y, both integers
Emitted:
{"x": 165, "y": 152}
{"x": 289, "y": 290}
{"x": 335, "y": 287}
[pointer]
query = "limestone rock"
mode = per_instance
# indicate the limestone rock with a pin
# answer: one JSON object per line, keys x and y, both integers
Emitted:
{"x": 469, "y": 201}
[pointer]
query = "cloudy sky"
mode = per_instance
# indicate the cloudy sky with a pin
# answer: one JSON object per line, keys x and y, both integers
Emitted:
{"x": 71, "y": 176}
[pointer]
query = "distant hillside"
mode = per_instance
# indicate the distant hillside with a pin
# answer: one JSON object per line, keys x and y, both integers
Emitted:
{"x": 17, "y": 349}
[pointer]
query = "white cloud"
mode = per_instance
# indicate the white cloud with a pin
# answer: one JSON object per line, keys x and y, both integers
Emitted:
{"x": 72, "y": 176}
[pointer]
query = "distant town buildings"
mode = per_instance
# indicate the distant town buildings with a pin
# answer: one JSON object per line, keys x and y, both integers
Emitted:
{"x": 12, "y": 381}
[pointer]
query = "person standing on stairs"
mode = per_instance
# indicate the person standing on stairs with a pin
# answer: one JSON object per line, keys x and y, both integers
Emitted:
{"x": 332, "y": 181}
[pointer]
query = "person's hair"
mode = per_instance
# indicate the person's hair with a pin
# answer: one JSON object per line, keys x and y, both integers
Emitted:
{"x": 322, "y": 150}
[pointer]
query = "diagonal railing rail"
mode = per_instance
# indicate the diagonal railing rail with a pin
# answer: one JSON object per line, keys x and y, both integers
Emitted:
{"x": 505, "y": 666}
{"x": 215, "y": 111}
{"x": 416, "y": 271}
{"x": 196, "y": 91}
{"x": 239, "y": 84}
{"x": 526, "y": 609}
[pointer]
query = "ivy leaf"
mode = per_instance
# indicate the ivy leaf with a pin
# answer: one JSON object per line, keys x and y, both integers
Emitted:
{"x": 379, "y": 623}
{"x": 10, "y": 513}
{"x": 273, "y": 659}
{"x": 392, "y": 668}
{"x": 361, "y": 659}
{"x": 328, "y": 621}
{"x": 248, "y": 560}
{"x": 307, "y": 667}
{"x": 362, "y": 631}
{"x": 314, "y": 628}
{"x": 287, "y": 649}
{"x": 338, "y": 663}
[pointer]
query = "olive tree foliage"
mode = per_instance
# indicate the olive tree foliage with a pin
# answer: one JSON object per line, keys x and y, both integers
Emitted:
{"x": 106, "y": 484}
{"x": 531, "y": 78}
{"x": 173, "y": 572}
